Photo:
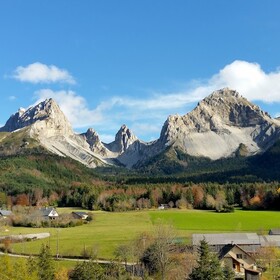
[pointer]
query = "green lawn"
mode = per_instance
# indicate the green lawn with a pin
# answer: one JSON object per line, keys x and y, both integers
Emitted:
{"x": 108, "y": 230}
{"x": 202, "y": 220}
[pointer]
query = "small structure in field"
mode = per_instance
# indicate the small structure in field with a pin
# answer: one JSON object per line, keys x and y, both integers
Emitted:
{"x": 163, "y": 207}
{"x": 49, "y": 213}
{"x": 80, "y": 215}
{"x": 5, "y": 214}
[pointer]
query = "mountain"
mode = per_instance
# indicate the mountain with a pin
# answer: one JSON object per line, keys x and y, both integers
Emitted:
{"x": 223, "y": 125}
{"x": 46, "y": 120}
{"x": 219, "y": 126}
{"x": 46, "y": 126}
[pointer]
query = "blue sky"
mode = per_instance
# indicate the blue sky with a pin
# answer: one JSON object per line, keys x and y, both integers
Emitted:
{"x": 109, "y": 62}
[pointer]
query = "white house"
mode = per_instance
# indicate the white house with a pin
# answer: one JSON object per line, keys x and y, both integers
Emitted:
{"x": 49, "y": 213}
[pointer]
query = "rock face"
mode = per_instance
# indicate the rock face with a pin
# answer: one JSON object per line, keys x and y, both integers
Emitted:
{"x": 46, "y": 120}
{"x": 224, "y": 124}
{"x": 93, "y": 140}
{"x": 218, "y": 125}
{"x": 124, "y": 138}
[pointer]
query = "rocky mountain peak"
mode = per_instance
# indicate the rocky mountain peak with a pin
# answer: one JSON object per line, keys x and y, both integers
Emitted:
{"x": 94, "y": 142}
{"x": 123, "y": 139}
{"x": 125, "y": 136}
{"x": 218, "y": 125}
{"x": 228, "y": 99}
{"x": 92, "y": 137}
{"x": 47, "y": 112}
{"x": 225, "y": 107}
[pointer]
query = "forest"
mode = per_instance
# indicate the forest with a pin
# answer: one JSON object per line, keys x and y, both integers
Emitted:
{"x": 46, "y": 180}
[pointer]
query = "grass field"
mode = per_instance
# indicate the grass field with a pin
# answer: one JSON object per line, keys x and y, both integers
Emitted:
{"x": 108, "y": 230}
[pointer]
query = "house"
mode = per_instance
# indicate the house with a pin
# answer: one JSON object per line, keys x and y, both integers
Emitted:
{"x": 163, "y": 206}
{"x": 274, "y": 231}
{"x": 80, "y": 215}
{"x": 242, "y": 263}
{"x": 49, "y": 213}
{"x": 249, "y": 242}
{"x": 5, "y": 214}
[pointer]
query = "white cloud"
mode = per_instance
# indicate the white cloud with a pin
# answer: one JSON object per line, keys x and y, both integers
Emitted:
{"x": 249, "y": 80}
{"x": 41, "y": 73}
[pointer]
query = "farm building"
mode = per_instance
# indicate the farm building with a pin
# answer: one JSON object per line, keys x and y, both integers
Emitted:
{"x": 49, "y": 213}
{"x": 274, "y": 231}
{"x": 5, "y": 213}
{"x": 249, "y": 242}
{"x": 80, "y": 215}
{"x": 163, "y": 207}
{"x": 270, "y": 240}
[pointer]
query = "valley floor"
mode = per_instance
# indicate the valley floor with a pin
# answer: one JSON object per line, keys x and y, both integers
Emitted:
{"x": 110, "y": 229}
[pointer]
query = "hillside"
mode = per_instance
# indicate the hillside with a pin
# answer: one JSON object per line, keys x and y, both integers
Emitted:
{"x": 26, "y": 172}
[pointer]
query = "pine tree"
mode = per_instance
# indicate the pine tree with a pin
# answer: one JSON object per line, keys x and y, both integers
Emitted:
{"x": 45, "y": 264}
{"x": 228, "y": 273}
{"x": 208, "y": 267}
{"x": 87, "y": 270}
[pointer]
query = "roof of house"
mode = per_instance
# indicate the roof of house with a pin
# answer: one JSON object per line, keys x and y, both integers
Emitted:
{"x": 46, "y": 211}
{"x": 270, "y": 240}
{"x": 227, "y": 248}
{"x": 253, "y": 271}
{"x": 80, "y": 213}
{"x": 275, "y": 231}
{"x": 227, "y": 238}
{"x": 5, "y": 213}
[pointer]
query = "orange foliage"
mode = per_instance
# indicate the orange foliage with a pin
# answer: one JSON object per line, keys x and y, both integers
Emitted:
{"x": 255, "y": 201}
{"x": 22, "y": 199}
{"x": 198, "y": 196}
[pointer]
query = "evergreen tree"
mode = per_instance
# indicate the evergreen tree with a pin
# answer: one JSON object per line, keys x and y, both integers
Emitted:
{"x": 208, "y": 267}
{"x": 21, "y": 270}
{"x": 45, "y": 264}
{"x": 87, "y": 270}
{"x": 228, "y": 273}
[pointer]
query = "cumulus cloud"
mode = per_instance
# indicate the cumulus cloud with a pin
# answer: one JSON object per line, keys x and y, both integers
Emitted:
{"x": 249, "y": 80}
{"x": 41, "y": 73}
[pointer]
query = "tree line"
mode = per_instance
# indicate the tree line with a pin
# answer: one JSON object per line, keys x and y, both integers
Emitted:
{"x": 122, "y": 197}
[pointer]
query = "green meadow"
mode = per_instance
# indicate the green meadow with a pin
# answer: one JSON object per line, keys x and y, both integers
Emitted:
{"x": 108, "y": 230}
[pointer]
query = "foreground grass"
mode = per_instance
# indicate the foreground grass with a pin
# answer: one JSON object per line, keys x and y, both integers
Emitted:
{"x": 108, "y": 230}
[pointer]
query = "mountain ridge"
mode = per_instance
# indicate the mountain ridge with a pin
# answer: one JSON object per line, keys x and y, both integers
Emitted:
{"x": 222, "y": 125}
